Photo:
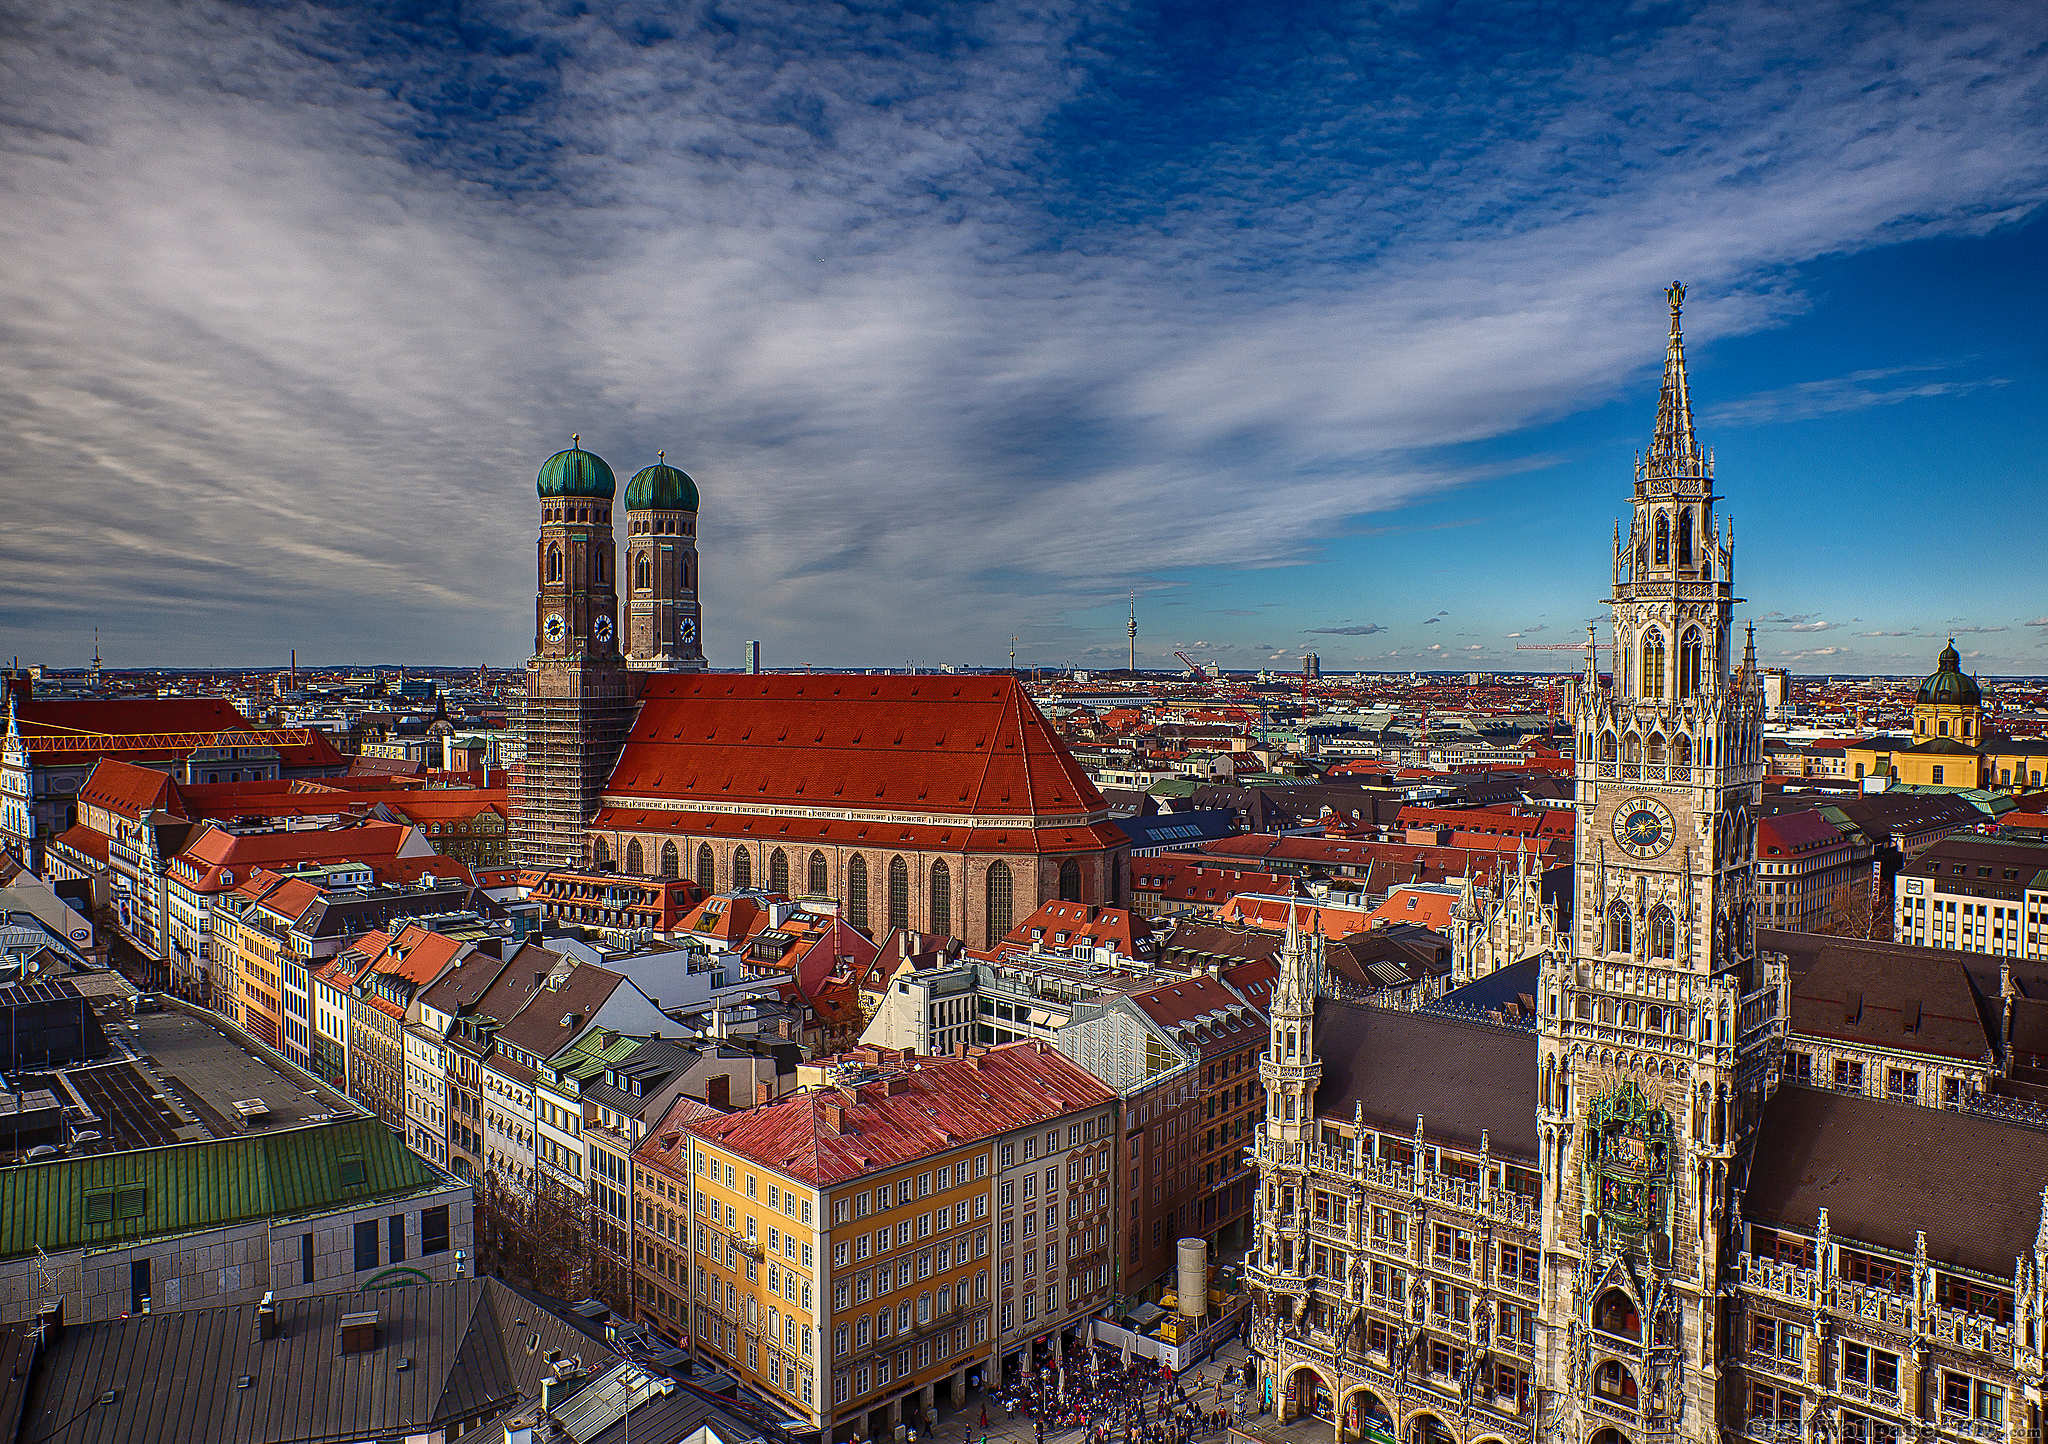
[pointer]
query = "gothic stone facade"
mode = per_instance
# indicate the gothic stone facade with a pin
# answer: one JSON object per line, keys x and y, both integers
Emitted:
{"x": 1623, "y": 1227}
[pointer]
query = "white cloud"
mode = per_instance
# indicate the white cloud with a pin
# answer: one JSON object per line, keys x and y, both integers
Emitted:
{"x": 290, "y": 330}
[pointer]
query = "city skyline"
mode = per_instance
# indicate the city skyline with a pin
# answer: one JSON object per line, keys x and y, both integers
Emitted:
{"x": 1314, "y": 335}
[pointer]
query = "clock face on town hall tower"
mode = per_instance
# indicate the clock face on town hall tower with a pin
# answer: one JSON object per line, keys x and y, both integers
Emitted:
{"x": 1643, "y": 827}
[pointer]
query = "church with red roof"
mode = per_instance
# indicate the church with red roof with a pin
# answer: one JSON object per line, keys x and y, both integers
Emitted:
{"x": 942, "y": 804}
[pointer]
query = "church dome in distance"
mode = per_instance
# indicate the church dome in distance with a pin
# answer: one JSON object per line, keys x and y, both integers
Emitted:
{"x": 576, "y": 472}
{"x": 1948, "y": 686}
{"x": 661, "y": 487}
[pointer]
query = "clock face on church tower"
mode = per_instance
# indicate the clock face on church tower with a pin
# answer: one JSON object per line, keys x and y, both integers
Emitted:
{"x": 603, "y": 629}
{"x": 554, "y": 628}
{"x": 1642, "y": 827}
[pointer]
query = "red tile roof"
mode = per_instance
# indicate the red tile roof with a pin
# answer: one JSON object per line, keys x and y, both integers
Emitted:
{"x": 221, "y": 858}
{"x": 929, "y": 744}
{"x": 74, "y": 729}
{"x": 1059, "y": 924}
{"x": 1330, "y": 919}
{"x": 129, "y": 791}
{"x": 1789, "y": 834}
{"x": 449, "y": 804}
{"x": 918, "y": 1108}
{"x": 1432, "y": 909}
{"x": 82, "y": 839}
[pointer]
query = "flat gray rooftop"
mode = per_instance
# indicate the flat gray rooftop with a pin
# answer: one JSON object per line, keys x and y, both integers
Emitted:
{"x": 175, "y": 1076}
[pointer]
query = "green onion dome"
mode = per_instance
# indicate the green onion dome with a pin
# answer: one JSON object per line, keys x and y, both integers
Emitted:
{"x": 661, "y": 487}
{"x": 576, "y": 472}
{"x": 1948, "y": 685}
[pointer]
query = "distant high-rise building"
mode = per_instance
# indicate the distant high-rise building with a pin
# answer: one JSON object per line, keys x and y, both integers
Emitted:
{"x": 1777, "y": 692}
{"x": 753, "y": 658}
{"x": 578, "y": 697}
{"x": 1312, "y": 667}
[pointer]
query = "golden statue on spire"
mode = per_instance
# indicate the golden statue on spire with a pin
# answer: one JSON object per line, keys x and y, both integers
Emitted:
{"x": 1675, "y": 294}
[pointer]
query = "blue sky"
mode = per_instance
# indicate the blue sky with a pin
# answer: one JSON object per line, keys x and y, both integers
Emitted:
{"x": 1320, "y": 327}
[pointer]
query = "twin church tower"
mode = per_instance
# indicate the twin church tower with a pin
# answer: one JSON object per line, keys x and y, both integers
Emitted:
{"x": 580, "y": 683}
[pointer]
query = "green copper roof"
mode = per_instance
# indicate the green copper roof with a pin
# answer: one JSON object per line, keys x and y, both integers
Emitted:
{"x": 576, "y": 472}
{"x": 661, "y": 487}
{"x": 111, "y": 1200}
{"x": 1948, "y": 685}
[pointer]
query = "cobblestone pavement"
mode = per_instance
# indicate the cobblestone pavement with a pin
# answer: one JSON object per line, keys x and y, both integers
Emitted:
{"x": 964, "y": 1426}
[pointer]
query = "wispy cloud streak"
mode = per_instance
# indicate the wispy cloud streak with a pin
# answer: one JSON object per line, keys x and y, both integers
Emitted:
{"x": 948, "y": 323}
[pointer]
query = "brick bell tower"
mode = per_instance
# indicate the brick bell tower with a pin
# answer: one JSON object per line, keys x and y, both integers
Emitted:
{"x": 662, "y": 619}
{"x": 1659, "y": 1032}
{"x": 578, "y": 692}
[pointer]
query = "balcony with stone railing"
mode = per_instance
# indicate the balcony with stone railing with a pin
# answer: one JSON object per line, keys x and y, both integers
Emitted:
{"x": 1879, "y": 1308}
{"x": 1869, "y": 1396}
{"x": 1975, "y": 1333}
{"x": 1760, "y": 1361}
{"x": 1965, "y": 1426}
{"x": 1778, "y": 1280}
{"x": 1328, "y": 1231}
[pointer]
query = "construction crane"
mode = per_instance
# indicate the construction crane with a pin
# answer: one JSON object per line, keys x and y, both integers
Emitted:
{"x": 1195, "y": 667}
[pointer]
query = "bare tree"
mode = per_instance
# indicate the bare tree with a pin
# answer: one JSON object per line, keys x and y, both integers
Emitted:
{"x": 1853, "y": 912}
{"x": 535, "y": 1239}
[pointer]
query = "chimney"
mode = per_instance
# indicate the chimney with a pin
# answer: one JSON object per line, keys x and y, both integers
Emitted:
{"x": 764, "y": 1093}
{"x": 359, "y": 1332}
{"x": 718, "y": 1091}
{"x": 266, "y": 1317}
{"x": 833, "y": 1114}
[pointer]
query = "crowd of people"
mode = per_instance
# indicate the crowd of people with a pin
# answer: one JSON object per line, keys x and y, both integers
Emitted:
{"x": 1136, "y": 1401}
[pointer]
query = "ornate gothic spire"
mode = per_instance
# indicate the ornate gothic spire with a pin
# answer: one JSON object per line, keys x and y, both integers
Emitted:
{"x": 1301, "y": 967}
{"x": 1673, "y": 450}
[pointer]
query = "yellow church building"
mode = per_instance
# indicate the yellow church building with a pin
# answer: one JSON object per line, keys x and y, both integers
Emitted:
{"x": 1950, "y": 745}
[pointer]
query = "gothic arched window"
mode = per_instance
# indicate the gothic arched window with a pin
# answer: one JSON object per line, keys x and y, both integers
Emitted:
{"x": 1681, "y": 751}
{"x": 1631, "y": 756}
{"x": 939, "y": 911}
{"x": 821, "y": 875}
{"x": 600, "y": 564}
{"x": 778, "y": 871}
{"x": 643, "y": 573}
{"x": 1663, "y": 539}
{"x": 1606, "y": 746}
{"x": 1616, "y": 1313}
{"x": 553, "y": 571}
{"x": 1070, "y": 881}
{"x": 1685, "y": 537}
{"x": 601, "y": 854}
{"x": 856, "y": 899}
{"x": 1653, "y": 665}
{"x": 899, "y": 892}
{"x": 636, "y": 860}
{"x": 742, "y": 869}
{"x": 707, "y": 868}
{"x": 1690, "y": 655}
{"x": 996, "y": 912}
{"x": 1663, "y": 933}
{"x": 1653, "y": 754}
{"x": 1612, "y": 1381}
{"x": 1620, "y": 938}
{"x": 671, "y": 861}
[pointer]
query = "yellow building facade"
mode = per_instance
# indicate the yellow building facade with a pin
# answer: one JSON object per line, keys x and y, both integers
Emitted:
{"x": 907, "y": 1315}
{"x": 1950, "y": 745}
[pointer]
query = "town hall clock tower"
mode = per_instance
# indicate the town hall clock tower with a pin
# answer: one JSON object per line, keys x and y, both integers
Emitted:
{"x": 1659, "y": 1030}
